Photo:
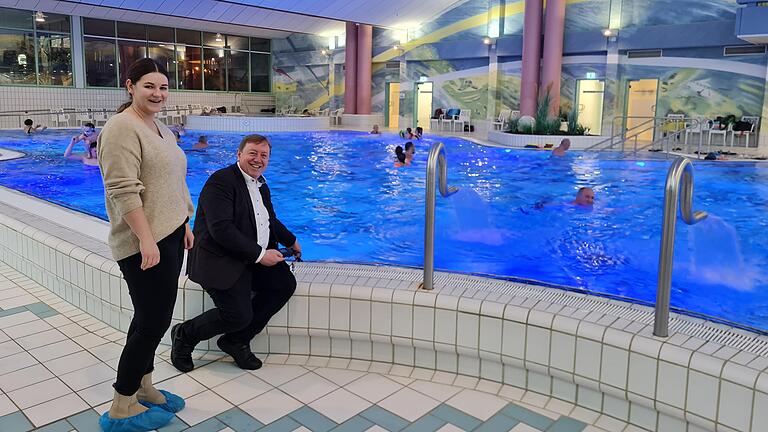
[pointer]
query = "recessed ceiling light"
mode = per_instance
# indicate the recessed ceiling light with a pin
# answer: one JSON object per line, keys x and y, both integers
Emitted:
{"x": 39, "y": 17}
{"x": 218, "y": 37}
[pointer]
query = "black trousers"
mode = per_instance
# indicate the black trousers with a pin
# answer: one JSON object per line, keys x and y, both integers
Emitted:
{"x": 153, "y": 294}
{"x": 243, "y": 310}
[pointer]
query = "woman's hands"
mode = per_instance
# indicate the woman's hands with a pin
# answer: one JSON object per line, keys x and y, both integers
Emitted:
{"x": 150, "y": 254}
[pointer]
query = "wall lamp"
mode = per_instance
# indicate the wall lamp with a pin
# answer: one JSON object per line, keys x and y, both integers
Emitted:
{"x": 610, "y": 34}
{"x": 39, "y": 17}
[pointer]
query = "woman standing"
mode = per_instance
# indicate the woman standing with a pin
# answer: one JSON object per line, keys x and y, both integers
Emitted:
{"x": 149, "y": 206}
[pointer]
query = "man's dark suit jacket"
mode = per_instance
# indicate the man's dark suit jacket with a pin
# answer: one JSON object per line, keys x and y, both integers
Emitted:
{"x": 225, "y": 230}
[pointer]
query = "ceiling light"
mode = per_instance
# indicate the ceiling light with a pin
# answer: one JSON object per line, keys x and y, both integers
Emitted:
{"x": 487, "y": 40}
{"x": 609, "y": 32}
{"x": 324, "y": 52}
{"x": 397, "y": 47}
{"x": 218, "y": 37}
{"x": 39, "y": 17}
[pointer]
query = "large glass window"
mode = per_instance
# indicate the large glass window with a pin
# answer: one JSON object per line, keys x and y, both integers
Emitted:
{"x": 237, "y": 71}
{"x": 165, "y": 55}
{"x": 260, "y": 73}
{"x": 190, "y": 67}
{"x": 54, "y": 57}
{"x": 100, "y": 62}
{"x": 215, "y": 78}
{"x": 35, "y": 52}
{"x": 128, "y": 52}
{"x": 17, "y": 57}
{"x": 195, "y": 60}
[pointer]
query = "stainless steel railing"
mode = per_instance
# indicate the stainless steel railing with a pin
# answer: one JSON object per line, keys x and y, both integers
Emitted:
{"x": 435, "y": 161}
{"x": 679, "y": 186}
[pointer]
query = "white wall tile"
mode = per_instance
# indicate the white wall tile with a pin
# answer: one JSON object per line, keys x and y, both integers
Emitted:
{"x": 671, "y": 384}
{"x": 735, "y": 406}
{"x": 588, "y": 353}
{"x": 642, "y": 371}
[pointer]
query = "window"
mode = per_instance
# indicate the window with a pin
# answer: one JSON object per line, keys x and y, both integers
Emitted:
{"x": 190, "y": 70}
{"x": 54, "y": 23}
{"x": 260, "y": 73}
{"x": 195, "y": 60}
{"x": 237, "y": 43}
{"x": 165, "y": 55}
{"x": 131, "y": 31}
{"x": 54, "y": 59}
{"x": 160, "y": 34}
{"x": 261, "y": 45}
{"x": 128, "y": 52}
{"x": 214, "y": 69}
{"x": 189, "y": 37}
{"x": 237, "y": 71}
{"x": 97, "y": 27}
{"x": 35, "y": 53}
{"x": 17, "y": 57}
{"x": 100, "y": 62}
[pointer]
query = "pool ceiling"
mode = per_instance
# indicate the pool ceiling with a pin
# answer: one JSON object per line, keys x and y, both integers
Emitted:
{"x": 260, "y": 18}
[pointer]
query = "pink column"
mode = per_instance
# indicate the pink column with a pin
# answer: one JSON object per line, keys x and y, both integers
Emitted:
{"x": 350, "y": 70}
{"x": 529, "y": 83}
{"x": 554, "y": 29}
{"x": 364, "y": 55}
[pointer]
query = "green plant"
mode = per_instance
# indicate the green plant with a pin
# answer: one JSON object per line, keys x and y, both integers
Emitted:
{"x": 542, "y": 114}
{"x": 573, "y": 121}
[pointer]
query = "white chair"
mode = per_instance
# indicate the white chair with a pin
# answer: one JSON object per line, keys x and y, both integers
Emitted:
{"x": 174, "y": 116}
{"x": 100, "y": 118}
{"x": 753, "y": 120}
{"x": 715, "y": 130}
{"x": 83, "y": 118}
{"x": 324, "y": 113}
{"x": 699, "y": 126}
{"x": 502, "y": 119}
{"x": 336, "y": 116}
{"x": 463, "y": 118}
{"x": 437, "y": 121}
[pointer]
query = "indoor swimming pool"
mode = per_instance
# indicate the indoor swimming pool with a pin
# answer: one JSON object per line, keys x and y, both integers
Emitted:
{"x": 342, "y": 196}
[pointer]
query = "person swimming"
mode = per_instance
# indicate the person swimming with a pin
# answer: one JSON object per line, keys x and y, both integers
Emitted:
{"x": 585, "y": 197}
{"x": 419, "y": 132}
{"x": 375, "y": 130}
{"x": 407, "y": 134}
{"x": 410, "y": 150}
{"x": 29, "y": 129}
{"x": 399, "y": 157}
{"x": 89, "y": 138}
{"x": 201, "y": 143}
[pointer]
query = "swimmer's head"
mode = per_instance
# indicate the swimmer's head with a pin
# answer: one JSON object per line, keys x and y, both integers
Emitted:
{"x": 565, "y": 144}
{"x": 28, "y": 122}
{"x": 585, "y": 197}
{"x": 89, "y": 128}
{"x": 203, "y": 139}
{"x": 410, "y": 148}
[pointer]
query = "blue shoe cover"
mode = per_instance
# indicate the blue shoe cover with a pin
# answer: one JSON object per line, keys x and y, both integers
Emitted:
{"x": 173, "y": 403}
{"x": 151, "y": 419}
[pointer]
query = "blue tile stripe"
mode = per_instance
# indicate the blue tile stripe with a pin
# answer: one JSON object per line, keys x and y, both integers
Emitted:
{"x": 240, "y": 421}
{"x": 40, "y": 309}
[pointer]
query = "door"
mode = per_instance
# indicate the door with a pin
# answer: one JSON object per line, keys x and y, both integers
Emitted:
{"x": 589, "y": 99}
{"x": 392, "y": 115}
{"x": 641, "y": 104}
{"x": 423, "y": 107}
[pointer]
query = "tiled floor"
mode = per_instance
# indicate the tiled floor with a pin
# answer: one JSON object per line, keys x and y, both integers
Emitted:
{"x": 57, "y": 365}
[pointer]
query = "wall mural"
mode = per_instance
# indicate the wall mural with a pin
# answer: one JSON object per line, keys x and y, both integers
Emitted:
{"x": 697, "y": 81}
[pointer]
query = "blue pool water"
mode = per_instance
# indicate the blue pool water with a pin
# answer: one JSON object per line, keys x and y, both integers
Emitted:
{"x": 339, "y": 192}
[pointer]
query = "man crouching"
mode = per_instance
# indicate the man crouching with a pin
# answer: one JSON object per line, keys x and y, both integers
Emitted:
{"x": 235, "y": 259}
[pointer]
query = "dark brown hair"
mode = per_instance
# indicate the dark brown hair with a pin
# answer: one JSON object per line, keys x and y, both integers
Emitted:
{"x": 138, "y": 69}
{"x": 256, "y": 139}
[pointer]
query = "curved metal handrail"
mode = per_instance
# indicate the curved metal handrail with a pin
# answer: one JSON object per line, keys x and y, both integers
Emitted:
{"x": 435, "y": 160}
{"x": 679, "y": 186}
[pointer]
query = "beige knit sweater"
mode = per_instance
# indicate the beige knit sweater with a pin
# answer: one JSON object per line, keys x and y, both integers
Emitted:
{"x": 140, "y": 169}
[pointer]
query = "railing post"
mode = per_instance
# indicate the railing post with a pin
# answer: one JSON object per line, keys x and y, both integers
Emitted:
{"x": 435, "y": 160}
{"x": 679, "y": 187}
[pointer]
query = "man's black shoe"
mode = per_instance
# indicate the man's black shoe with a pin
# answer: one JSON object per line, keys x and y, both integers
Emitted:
{"x": 181, "y": 350}
{"x": 242, "y": 354}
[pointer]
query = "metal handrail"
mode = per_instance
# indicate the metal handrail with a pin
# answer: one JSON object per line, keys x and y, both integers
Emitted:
{"x": 679, "y": 185}
{"x": 435, "y": 160}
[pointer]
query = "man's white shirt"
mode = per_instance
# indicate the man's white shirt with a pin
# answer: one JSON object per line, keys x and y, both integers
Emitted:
{"x": 259, "y": 211}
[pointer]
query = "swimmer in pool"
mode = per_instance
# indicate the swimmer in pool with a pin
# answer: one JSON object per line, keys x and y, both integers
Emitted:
{"x": 89, "y": 137}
